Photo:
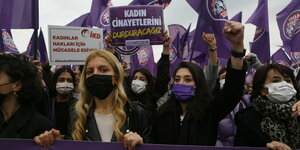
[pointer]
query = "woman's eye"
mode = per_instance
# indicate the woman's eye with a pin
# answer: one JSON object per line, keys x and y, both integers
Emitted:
{"x": 177, "y": 80}
{"x": 188, "y": 80}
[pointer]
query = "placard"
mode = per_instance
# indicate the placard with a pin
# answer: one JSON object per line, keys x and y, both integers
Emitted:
{"x": 71, "y": 45}
{"x": 136, "y": 25}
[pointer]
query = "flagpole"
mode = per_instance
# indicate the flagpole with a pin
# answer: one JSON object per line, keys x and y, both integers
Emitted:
{"x": 192, "y": 53}
{"x": 35, "y": 40}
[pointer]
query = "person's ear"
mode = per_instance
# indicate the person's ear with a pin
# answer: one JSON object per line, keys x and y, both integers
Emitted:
{"x": 17, "y": 86}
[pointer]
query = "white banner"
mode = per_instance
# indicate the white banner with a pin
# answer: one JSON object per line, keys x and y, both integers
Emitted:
{"x": 71, "y": 45}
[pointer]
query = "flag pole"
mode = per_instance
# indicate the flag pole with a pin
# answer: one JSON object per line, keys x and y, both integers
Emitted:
{"x": 36, "y": 27}
{"x": 192, "y": 53}
{"x": 35, "y": 40}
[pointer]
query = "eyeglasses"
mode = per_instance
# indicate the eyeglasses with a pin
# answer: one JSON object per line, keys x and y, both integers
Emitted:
{"x": 5, "y": 83}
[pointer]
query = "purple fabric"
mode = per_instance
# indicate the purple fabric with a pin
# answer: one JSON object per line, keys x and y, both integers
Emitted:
{"x": 288, "y": 21}
{"x": 30, "y": 51}
{"x": 173, "y": 30}
{"x": 19, "y": 14}
{"x": 237, "y": 17}
{"x": 43, "y": 55}
{"x": 143, "y": 59}
{"x": 281, "y": 57}
{"x": 7, "y": 43}
{"x": 183, "y": 93}
{"x": 99, "y": 14}
{"x": 212, "y": 17}
{"x": 261, "y": 42}
{"x": 163, "y": 3}
{"x": 175, "y": 57}
{"x": 95, "y": 145}
{"x": 80, "y": 21}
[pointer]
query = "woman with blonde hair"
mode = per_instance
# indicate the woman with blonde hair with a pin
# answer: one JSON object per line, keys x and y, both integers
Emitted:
{"x": 103, "y": 112}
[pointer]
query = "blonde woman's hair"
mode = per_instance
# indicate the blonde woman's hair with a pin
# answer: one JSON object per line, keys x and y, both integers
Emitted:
{"x": 83, "y": 105}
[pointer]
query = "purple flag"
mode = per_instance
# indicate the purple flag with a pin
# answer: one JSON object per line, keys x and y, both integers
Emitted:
{"x": 261, "y": 42}
{"x": 288, "y": 21}
{"x": 237, "y": 17}
{"x": 19, "y": 14}
{"x": 212, "y": 17}
{"x": 175, "y": 55}
{"x": 143, "y": 59}
{"x": 7, "y": 43}
{"x": 164, "y": 3}
{"x": 80, "y": 21}
{"x": 42, "y": 50}
{"x": 30, "y": 51}
{"x": 99, "y": 14}
{"x": 281, "y": 57}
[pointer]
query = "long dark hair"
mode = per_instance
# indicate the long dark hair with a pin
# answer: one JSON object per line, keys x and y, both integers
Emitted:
{"x": 149, "y": 97}
{"x": 57, "y": 74}
{"x": 202, "y": 99}
{"x": 261, "y": 75}
{"x": 20, "y": 69}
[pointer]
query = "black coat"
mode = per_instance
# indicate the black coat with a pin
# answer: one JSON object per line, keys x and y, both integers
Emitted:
{"x": 169, "y": 130}
{"x": 135, "y": 122}
{"x": 24, "y": 123}
{"x": 249, "y": 132}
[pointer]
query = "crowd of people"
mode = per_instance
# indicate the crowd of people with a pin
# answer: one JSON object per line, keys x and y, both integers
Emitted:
{"x": 216, "y": 106}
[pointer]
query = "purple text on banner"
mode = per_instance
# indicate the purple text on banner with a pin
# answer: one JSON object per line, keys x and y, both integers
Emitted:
{"x": 86, "y": 145}
{"x": 136, "y": 25}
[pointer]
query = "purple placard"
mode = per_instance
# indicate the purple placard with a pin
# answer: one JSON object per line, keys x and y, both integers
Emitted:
{"x": 16, "y": 144}
{"x": 136, "y": 25}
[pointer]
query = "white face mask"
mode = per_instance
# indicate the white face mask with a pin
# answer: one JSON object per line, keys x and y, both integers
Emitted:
{"x": 280, "y": 92}
{"x": 64, "y": 88}
{"x": 222, "y": 82}
{"x": 138, "y": 86}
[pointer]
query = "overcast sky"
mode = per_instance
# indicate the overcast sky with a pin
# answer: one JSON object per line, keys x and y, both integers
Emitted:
{"x": 61, "y": 12}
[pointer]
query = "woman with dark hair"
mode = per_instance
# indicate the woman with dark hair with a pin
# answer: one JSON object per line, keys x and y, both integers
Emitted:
{"x": 191, "y": 115}
{"x": 20, "y": 89}
{"x": 64, "y": 82}
{"x": 272, "y": 121}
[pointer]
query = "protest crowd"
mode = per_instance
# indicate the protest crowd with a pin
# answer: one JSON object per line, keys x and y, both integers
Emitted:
{"x": 208, "y": 93}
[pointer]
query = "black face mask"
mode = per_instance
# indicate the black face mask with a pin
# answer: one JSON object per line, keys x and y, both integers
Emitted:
{"x": 99, "y": 85}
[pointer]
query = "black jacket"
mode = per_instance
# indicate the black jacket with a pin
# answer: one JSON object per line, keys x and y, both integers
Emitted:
{"x": 249, "y": 131}
{"x": 24, "y": 123}
{"x": 135, "y": 122}
{"x": 169, "y": 130}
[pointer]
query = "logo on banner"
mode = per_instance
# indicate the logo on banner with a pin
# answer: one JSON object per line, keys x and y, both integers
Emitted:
{"x": 258, "y": 33}
{"x": 8, "y": 41}
{"x": 217, "y": 9}
{"x": 143, "y": 56}
{"x": 163, "y": 3}
{"x": 127, "y": 50}
{"x": 104, "y": 17}
{"x": 291, "y": 25}
{"x": 282, "y": 62}
{"x": 85, "y": 33}
{"x": 173, "y": 54}
{"x": 297, "y": 56}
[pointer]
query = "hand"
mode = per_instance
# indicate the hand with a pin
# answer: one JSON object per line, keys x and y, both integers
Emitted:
{"x": 296, "y": 110}
{"x": 210, "y": 40}
{"x": 47, "y": 138}
{"x": 131, "y": 139}
{"x": 108, "y": 41}
{"x": 274, "y": 145}
{"x": 234, "y": 32}
{"x": 167, "y": 43}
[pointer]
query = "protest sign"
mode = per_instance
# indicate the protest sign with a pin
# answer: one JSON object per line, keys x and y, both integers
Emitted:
{"x": 136, "y": 25}
{"x": 71, "y": 45}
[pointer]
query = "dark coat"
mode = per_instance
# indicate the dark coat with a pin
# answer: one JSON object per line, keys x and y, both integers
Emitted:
{"x": 169, "y": 130}
{"x": 135, "y": 122}
{"x": 249, "y": 131}
{"x": 24, "y": 123}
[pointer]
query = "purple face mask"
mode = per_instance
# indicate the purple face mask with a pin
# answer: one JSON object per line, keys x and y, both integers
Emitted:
{"x": 183, "y": 93}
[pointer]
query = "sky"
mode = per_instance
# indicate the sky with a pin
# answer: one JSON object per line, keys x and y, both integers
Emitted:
{"x": 61, "y": 12}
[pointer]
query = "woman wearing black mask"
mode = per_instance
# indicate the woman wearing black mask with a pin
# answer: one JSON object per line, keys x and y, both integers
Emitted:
{"x": 191, "y": 115}
{"x": 103, "y": 112}
{"x": 20, "y": 90}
